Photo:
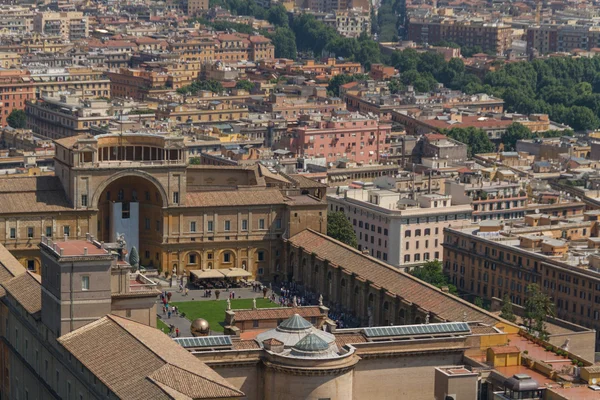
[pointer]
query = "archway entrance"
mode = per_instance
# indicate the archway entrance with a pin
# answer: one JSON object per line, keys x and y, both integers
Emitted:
{"x": 132, "y": 206}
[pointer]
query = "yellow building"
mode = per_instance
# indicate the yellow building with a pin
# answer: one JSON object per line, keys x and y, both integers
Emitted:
{"x": 69, "y": 25}
{"x": 9, "y": 59}
{"x": 178, "y": 216}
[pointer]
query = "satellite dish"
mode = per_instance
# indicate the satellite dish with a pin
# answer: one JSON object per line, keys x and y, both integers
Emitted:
{"x": 537, "y": 210}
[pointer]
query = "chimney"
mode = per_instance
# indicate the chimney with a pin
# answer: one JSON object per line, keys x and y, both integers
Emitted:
{"x": 85, "y": 251}
{"x": 366, "y": 252}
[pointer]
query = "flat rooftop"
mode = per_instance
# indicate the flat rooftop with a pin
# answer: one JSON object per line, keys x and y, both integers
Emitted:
{"x": 78, "y": 248}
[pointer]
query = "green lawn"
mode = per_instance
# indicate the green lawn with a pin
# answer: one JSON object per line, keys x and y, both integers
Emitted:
{"x": 162, "y": 326}
{"x": 214, "y": 310}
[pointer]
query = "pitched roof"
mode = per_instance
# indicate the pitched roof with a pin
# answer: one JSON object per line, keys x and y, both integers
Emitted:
{"x": 136, "y": 361}
{"x": 26, "y": 290}
{"x": 234, "y": 198}
{"x": 33, "y": 194}
{"x": 404, "y": 285}
{"x": 69, "y": 141}
{"x": 276, "y": 313}
{"x": 9, "y": 266}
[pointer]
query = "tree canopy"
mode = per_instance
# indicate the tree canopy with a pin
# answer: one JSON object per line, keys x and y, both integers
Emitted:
{"x": 244, "y": 84}
{"x": 341, "y": 79}
{"x": 17, "y": 119}
{"x": 538, "y": 306}
{"x": 431, "y": 272}
{"x": 197, "y": 86}
{"x": 476, "y": 139}
{"x": 565, "y": 88}
{"x": 284, "y": 41}
{"x": 507, "y": 309}
{"x": 340, "y": 228}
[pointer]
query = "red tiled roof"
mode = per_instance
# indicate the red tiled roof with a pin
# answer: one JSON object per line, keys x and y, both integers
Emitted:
{"x": 505, "y": 349}
{"x": 404, "y": 285}
{"x": 434, "y": 136}
{"x": 276, "y": 313}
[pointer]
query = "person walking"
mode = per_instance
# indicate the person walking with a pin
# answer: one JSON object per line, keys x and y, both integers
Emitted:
{"x": 176, "y": 332}
{"x": 169, "y": 313}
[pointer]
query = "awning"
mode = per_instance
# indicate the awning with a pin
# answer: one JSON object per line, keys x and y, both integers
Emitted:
{"x": 206, "y": 273}
{"x": 235, "y": 272}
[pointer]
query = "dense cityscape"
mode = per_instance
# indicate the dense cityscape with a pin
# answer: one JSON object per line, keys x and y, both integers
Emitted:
{"x": 300, "y": 199}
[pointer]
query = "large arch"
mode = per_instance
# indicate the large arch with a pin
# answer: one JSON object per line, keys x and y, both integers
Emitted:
{"x": 132, "y": 202}
{"x": 130, "y": 173}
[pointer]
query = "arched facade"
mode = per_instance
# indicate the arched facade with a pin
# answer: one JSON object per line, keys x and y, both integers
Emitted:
{"x": 351, "y": 294}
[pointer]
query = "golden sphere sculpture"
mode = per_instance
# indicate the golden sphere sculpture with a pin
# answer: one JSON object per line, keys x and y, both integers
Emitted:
{"x": 200, "y": 327}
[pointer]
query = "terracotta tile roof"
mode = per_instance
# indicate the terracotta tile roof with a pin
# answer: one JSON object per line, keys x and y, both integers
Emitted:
{"x": 245, "y": 345}
{"x": 428, "y": 297}
{"x": 34, "y": 202}
{"x": 136, "y": 361}
{"x": 26, "y": 290}
{"x": 342, "y": 339}
{"x": 304, "y": 182}
{"x": 276, "y": 313}
{"x": 273, "y": 341}
{"x": 234, "y": 198}
{"x": 505, "y": 349}
{"x": 482, "y": 330}
{"x": 30, "y": 184}
{"x": 9, "y": 266}
{"x": 68, "y": 142}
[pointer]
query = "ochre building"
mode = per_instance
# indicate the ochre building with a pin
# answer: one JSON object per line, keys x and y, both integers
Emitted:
{"x": 179, "y": 217}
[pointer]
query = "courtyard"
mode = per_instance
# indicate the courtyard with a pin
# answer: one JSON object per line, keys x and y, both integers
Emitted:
{"x": 214, "y": 310}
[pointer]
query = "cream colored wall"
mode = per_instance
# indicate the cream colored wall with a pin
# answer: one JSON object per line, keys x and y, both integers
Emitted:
{"x": 248, "y": 379}
{"x": 409, "y": 377}
{"x": 281, "y": 386}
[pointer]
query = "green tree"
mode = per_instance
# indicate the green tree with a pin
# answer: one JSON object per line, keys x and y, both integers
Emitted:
{"x": 134, "y": 258}
{"x": 514, "y": 133}
{"x": 244, "y": 84}
{"x": 277, "y": 15}
{"x": 478, "y": 302}
{"x": 476, "y": 139}
{"x": 284, "y": 41}
{"x": 195, "y": 161}
{"x": 507, "y": 309}
{"x": 197, "y": 86}
{"x": 342, "y": 79}
{"x": 340, "y": 228}
{"x": 395, "y": 85}
{"x": 17, "y": 119}
{"x": 431, "y": 272}
{"x": 538, "y": 306}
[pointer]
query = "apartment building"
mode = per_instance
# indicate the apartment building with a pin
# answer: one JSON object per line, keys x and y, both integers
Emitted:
{"x": 195, "y": 7}
{"x": 351, "y": 23}
{"x": 137, "y": 84}
{"x": 16, "y": 20}
{"x": 490, "y": 200}
{"x": 496, "y": 37}
{"x": 560, "y": 254}
{"x": 70, "y": 25}
{"x": 552, "y": 38}
{"x": 66, "y": 115}
{"x": 84, "y": 81}
{"x": 209, "y": 110}
{"x": 344, "y": 136}
{"x": 396, "y": 229}
{"x": 328, "y": 6}
{"x": 15, "y": 90}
